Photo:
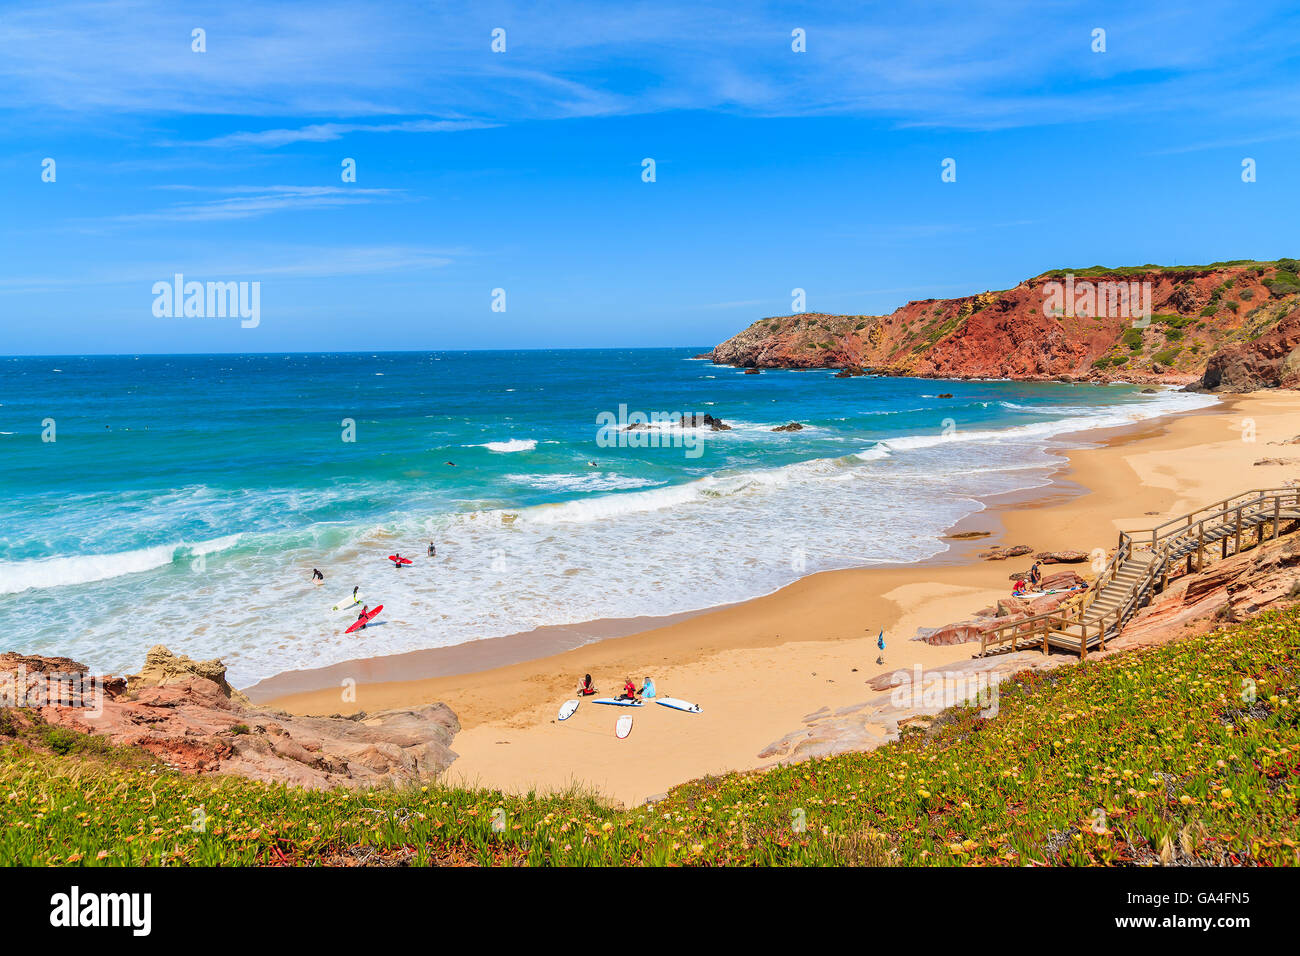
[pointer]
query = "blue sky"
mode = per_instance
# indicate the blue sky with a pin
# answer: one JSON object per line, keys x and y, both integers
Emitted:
{"x": 522, "y": 170}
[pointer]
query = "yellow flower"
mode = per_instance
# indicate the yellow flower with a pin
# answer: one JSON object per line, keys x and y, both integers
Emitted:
{"x": 1226, "y": 793}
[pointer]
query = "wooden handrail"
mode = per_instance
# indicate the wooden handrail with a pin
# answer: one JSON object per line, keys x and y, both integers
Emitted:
{"x": 1191, "y": 526}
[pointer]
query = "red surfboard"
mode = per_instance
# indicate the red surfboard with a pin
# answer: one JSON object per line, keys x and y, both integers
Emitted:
{"x": 366, "y": 620}
{"x": 396, "y": 560}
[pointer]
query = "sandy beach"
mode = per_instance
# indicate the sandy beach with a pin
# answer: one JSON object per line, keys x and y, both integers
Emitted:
{"x": 758, "y": 667}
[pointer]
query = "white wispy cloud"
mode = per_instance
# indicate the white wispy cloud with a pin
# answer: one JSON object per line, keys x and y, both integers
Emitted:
{"x": 287, "y": 262}
{"x": 1003, "y": 64}
{"x": 325, "y": 132}
{"x": 254, "y": 201}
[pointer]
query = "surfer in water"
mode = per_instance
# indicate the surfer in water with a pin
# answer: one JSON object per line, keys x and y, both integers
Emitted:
{"x": 316, "y": 575}
{"x": 365, "y": 609}
{"x": 432, "y": 550}
{"x": 397, "y": 559}
{"x": 355, "y": 599}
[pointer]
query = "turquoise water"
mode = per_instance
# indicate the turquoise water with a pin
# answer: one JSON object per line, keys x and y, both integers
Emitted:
{"x": 186, "y": 499}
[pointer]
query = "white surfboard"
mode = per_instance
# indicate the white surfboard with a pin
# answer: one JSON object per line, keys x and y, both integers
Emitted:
{"x": 676, "y": 703}
{"x": 623, "y": 727}
{"x": 568, "y": 707}
{"x": 347, "y": 602}
{"x": 618, "y": 703}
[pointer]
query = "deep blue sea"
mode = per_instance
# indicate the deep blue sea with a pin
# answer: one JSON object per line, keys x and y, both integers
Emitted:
{"x": 185, "y": 499}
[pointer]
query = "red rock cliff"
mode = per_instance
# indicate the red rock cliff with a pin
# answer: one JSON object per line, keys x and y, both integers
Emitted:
{"x": 1056, "y": 325}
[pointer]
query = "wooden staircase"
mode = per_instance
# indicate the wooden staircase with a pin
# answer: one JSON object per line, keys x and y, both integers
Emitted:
{"x": 1136, "y": 573}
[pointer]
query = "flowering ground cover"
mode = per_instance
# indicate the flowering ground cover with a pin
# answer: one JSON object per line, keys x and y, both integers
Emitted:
{"x": 1187, "y": 753}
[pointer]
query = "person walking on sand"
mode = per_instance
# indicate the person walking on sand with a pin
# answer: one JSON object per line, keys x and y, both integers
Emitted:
{"x": 880, "y": 644}
{"x": 1035, "y": 575}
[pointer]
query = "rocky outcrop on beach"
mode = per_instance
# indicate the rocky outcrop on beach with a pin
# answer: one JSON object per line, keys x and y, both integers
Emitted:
{"x": 1271, "y": 360}
{"x": 1002, "y": 552}
{"x": 1061, "y": 557}
{"x": 162, "y": 667}
{"x": 185, "y": 714}
{"x": 1027, "y": 333}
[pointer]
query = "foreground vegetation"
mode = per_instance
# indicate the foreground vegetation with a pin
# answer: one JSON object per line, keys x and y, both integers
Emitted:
{"x": 1184, "y": 753}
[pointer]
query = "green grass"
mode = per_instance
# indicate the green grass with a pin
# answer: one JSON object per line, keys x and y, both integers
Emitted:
{"x": 1095, "y": 271}
{"x": 1188, "y": 752}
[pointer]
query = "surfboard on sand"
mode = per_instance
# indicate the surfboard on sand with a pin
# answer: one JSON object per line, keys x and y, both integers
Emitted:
{"x": 623, "y": 727}
{"x": 618, "y": 703}
{"x": 568, "y": 707}
{"x": 676, "y": 703}
{"x": 348, "y": 601}
{"x": 368, "y": 618}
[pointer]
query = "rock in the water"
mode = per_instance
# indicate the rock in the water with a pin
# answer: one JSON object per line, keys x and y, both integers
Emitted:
{"x": 704, "y": 421}
{"x": 792, "y": 427}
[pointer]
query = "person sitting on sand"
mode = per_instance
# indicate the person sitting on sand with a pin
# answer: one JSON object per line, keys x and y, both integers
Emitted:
{"x": 585, "y": 687}
{"x": 648, "y": 688}
{"x": 1019, "y": 586}
{"x": 629, "y": 690}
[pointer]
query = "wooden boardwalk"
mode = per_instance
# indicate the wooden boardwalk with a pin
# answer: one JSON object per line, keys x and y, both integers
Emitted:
{"x": 1140, "y": 568}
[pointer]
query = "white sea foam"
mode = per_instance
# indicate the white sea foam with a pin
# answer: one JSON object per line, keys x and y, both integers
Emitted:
{"x": 53, "y": 572}
{"x": 514, "y": 444}
{"x": 594, "y": 481}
